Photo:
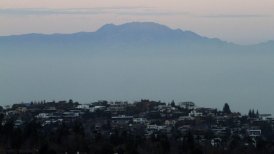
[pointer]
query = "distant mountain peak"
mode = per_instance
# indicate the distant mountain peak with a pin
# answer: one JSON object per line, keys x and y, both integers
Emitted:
{"x": 146, "y": 32}
{"x": 135, "y": 26}
{"x": 106, "y": 27}
{"x": 132, "y": 34}
{"x": 145, "y": 25}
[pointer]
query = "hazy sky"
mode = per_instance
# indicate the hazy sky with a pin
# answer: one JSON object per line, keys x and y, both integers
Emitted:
{"x": 240, "y": 21}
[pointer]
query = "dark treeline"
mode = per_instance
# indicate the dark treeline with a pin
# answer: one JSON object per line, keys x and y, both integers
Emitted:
{"x": 72, "y": 139}
{"x": 82, "y": 134}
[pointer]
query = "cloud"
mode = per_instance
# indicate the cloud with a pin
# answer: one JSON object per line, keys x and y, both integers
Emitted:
{"x": 47, "y": 11}
{"x": 139, "y": 11}
{"x": 151, "y": 13}
{"x": 125, "y": 11}
{"x": 237, "y": 16}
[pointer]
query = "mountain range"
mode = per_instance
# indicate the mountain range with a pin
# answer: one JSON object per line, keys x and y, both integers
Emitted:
{"x": 129, "y": 36}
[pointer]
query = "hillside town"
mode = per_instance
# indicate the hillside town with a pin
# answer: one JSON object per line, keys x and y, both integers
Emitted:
{"x": 143, "y": 126}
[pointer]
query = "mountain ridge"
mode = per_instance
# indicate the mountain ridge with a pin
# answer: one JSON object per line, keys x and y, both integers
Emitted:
{"x": 125, "y": 36}
{"x": 127, "y": 27}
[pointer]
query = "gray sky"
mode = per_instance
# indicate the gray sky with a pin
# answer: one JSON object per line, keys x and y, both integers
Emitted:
{"x": 239, "y": 21}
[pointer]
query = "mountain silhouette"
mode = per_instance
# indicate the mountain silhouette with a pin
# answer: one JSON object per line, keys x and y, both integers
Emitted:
{"x": 130, "y": 35}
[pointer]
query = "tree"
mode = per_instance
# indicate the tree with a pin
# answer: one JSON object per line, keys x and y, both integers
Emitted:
{"x": 226, "y": 109}
{"x": 252, "y": 113}
{"x": 257, "y": 114}
{"x": 172, "y": 103}
{"x": 249, "y": 113}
